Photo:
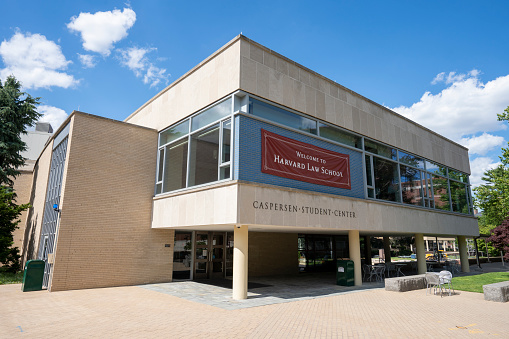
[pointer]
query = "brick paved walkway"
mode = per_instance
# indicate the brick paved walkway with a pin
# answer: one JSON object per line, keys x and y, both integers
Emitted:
{"x": 137, "y": 312}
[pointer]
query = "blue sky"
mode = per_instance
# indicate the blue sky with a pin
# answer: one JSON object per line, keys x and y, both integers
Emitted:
{"x": 444, "y": 64}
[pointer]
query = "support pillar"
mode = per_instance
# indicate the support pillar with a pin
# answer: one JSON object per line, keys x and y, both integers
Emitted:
{"x": 462, "y": 244}
{"x": 367, "y": 249}
{"x": 240, "y": 263}
{"x": 354, "y": 245}
{"x": 420, "y": 253}
{"x": 387, "y": 249}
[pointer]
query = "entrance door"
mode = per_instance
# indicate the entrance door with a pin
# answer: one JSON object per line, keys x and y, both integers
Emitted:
{"x": 210, "y": 255}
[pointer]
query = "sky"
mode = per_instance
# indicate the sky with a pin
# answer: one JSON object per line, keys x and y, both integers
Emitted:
{"x": 443, "y": 64}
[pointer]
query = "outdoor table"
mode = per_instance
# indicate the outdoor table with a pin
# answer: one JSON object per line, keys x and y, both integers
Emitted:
{"x": 398, "y": 269}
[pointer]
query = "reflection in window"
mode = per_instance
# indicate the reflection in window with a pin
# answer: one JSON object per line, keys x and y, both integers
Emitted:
{"x": 411, "y": 160}
{"x": 203, "y": 157}
{"x": 173, "y": 133}
{"x": 212, "y": 114}
{"x": 338, "y": 135}
{"x": 436, "y": 168}
{"x": 175, "y": 166}
{"x": 459, "y": 197}
{"x": 376, "y": 148}
{"x": 411, "y": 185}
{"x": 281, "y": 116}
{"x": 441, "y": 193}
{"x": 386, "y": 180}
{"x": 458, "y": 176}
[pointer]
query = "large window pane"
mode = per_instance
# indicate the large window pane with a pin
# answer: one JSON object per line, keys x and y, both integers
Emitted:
{"x": 369, "y": 177}
{"x": 338, "y": 135}
{"x": 276, "y": 114}
{"x": 441, "y": 193}
{"x": 173, "y": 133}
{"x": 376, "y": 148}
{"x": 227, "y": 130}
{"x": 411, "y": 185}
{"x": 386, "y": 180}
{"x": 436, "y": 168}
{"x": 175, "y": 166}
{"x": 203, "y": 160}
{"x": 458, "y": 176}
{"x": 212, "y": 114}
{"x": 459, "y": 197}
{"x": 411, "y": 160}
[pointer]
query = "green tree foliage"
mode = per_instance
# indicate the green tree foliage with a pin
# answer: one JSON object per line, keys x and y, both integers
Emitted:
{"x": 17, "y": 112}
{"x": 9, "y": 213}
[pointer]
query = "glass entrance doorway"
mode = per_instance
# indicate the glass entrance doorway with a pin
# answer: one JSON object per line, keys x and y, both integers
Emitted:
{"x": 182, "y": 250}
{"x": 210, "y": 250}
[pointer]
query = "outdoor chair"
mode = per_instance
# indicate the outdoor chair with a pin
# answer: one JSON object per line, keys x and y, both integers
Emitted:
{"x": 368, "y": 272}
{"x": 432, "y": 281}
{"x": 379, "y": 272}
{"x": 445, "y": 277}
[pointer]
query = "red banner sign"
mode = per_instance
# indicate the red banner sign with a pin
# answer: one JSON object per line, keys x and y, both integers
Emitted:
{"x": 297, "y": 160}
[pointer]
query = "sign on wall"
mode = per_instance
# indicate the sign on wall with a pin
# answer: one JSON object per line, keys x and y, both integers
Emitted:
{"x": 297, "y": 160}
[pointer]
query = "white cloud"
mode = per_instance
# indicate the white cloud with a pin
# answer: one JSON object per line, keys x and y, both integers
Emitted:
{"x": 464, "y": 108}
{"x": 136, "y": 60}
{"x": 99, "y": 31}
{"x": 55, "y": 116}
{"x": 87, "y": 60}
{"x": 482, "y": 144}
{"x": 478, "y": 166}
{"x": 35, "y": 61}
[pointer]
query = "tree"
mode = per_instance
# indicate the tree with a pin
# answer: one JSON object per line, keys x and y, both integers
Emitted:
{"x": 500, "y": 237}
{"x": 17, "y": 112}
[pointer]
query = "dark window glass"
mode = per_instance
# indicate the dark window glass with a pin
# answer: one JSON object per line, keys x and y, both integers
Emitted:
{"x": 369, "y": 177}
{"x": 459, "y": 197}
{"x": 441, "y": 193}
{"x": 376, "y": 148}
{"x": 411, "y": 185}
{"x": 276, "y": 114}
{"x": 386, "y": 180}
{"x": 173, "y": 133}
{"x": 161, "y": 165}
{"x": 339, "y": 135}
{"x": 203, "y": 159}
{"x": 411, "y": 160}
{"x": 175, "y": 166}
{"x": 227, "y": 128}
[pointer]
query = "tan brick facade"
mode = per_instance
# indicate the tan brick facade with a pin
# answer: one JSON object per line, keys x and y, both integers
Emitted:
{"x": 104, "y": 236}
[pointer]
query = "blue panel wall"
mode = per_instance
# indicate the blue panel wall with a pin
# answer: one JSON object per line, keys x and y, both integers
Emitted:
{"x": 248, "y": 158}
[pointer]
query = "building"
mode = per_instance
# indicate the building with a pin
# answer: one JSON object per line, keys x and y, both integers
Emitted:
{"x": 249, "y": 164}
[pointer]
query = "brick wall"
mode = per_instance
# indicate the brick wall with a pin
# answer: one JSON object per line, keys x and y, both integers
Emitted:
{"x": 104, "y": 237}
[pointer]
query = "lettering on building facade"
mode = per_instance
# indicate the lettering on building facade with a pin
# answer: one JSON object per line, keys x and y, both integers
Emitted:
{"x": 272, "y": 206}
{"x": 297, "y": 160}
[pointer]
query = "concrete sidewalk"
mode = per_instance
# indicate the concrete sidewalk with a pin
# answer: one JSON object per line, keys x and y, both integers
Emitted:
{"x": 138, "y": 312}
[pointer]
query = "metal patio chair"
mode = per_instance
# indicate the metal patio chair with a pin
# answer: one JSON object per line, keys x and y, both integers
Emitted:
{"x": 445, "y": 277}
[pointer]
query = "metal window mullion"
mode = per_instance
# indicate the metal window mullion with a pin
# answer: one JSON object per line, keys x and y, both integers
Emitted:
{"x": 188, "y": 158}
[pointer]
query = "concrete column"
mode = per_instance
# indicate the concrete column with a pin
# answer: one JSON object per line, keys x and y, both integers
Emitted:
{"x": 462, "y": 244}
{"x": 240, "y": 246}
{"x": 354, "y": 245}
{"x": 387, "y": 249}
{"x": 420, "y": 253}
{"x": 367, "y": 249}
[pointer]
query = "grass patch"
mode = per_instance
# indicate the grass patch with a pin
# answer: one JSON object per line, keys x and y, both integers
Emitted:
{"x": 474, "y": 283}
{"x": 10, "y": 278}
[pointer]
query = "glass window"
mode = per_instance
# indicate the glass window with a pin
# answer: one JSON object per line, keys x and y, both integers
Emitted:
{"x": 173, "y": 133}
{"x": 339, "y": 135}
{"x": 411, "y": 185}
{"x": 386, "y": 180}
{"x": 175, "y": 166}
{"x": 441, "y": 193}
{"x": 459, "y": 197}
{"x": 203, "y": 158}
{"x": 276, "y": 114}
{"x": 411, "y": 160}
{"x": 458, "y": 176}
{"x": 369, "y": 177}
{"x": 212, "y": 114}
{"x": 436, "y": 168}
{"x": 376, "y": 148}
{"x": 227, "y": 128}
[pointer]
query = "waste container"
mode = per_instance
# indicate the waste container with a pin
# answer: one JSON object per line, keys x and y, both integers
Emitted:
{"x": 32, "y": 277}
{"x": 344, "y": 273}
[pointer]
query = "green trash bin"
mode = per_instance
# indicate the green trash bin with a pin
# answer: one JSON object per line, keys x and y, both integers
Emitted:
{"x": 32, "y": 277}
{"x": 344, "y": 273}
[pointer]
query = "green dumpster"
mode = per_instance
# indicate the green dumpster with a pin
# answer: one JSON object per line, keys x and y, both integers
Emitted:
{"x": 32, "y": 277}
{"x": 344, "y": 273}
